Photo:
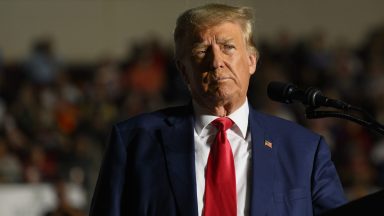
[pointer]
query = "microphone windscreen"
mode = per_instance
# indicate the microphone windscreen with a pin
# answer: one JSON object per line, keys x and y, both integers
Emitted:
{"x": 279, "y": 91}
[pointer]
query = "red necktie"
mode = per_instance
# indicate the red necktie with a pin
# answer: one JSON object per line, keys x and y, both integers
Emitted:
{"x": 220, "y": 179}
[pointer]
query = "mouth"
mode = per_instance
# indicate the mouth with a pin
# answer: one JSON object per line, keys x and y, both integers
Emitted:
{"x": 221, "y": 79}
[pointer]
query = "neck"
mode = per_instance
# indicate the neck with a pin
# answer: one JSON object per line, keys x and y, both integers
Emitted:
{"x": 221, "y": 109}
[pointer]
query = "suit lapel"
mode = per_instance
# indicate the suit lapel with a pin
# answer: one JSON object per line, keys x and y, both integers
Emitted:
{"x": 262, "y": 167}
{"x": 178, "y": 143}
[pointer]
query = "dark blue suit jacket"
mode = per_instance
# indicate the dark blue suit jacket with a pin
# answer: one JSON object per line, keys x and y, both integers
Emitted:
{"x": 149, "y": 168}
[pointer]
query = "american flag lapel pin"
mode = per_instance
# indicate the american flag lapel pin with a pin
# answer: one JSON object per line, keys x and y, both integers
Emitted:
{"x": 268, "y": 143}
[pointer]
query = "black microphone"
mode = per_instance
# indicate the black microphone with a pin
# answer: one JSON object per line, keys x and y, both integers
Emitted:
{"x": 288, "y": 92}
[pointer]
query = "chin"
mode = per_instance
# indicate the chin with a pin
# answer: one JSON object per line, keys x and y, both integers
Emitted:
{"x": 222, "y": 99}
{"x": 227, "y": 93}
{"x": 219, "y": 96}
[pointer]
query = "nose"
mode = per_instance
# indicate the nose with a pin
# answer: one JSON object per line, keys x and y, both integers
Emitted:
{"x": 216, "y": 60}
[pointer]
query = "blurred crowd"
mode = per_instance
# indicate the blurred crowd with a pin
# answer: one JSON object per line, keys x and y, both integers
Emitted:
{"x": 55, "y": 116}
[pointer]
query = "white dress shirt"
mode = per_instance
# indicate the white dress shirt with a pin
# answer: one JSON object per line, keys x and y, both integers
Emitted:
{"x": 239, "y": 138}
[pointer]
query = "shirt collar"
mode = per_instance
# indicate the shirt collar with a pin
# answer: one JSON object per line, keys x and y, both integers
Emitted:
{"x": 239, "y": 117}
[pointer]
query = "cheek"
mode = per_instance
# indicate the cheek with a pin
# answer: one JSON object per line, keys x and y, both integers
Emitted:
{"x": 190, "y": 73}
{"x": 243, "y": 74}
{"x": 241, "y": 66}
{"x": 206, "y": 80}
{"x": 199, "y": 81}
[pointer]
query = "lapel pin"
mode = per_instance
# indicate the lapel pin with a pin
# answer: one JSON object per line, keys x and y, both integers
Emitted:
{"x": 268, "y": 144}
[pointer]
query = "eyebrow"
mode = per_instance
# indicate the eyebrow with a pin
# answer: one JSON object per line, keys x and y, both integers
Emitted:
{"x": 202, "y": 44}
{"x": 225, "y": 40}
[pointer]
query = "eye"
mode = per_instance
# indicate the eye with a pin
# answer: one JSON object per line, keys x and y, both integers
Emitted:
{"x": 199, "y": 52}
{"x": 228, "y": 48}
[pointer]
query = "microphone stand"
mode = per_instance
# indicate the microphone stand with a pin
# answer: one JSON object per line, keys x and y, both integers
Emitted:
{"x": 371, "y": 204}
{"x": 367, "y": 120}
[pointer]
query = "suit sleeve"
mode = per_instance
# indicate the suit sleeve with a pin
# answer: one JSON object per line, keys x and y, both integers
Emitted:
{"x": 327, "y": 191}
{"x": 107, "y": 195}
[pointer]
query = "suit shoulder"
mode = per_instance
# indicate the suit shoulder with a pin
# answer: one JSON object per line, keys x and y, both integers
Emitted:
{"x": 153, "y": 119}
{"x": 289, "y": 137}
{"x": 277, "y": 125}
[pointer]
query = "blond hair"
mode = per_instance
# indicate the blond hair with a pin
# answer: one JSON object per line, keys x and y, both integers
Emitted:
{"x": 203, "y": 17}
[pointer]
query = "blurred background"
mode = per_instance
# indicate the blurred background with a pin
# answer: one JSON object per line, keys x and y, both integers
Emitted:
{"x": 70, "y": 69}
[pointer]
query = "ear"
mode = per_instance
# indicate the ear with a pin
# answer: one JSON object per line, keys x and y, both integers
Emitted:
{"x": 252, "y": 62}
{"x": 181, "y": 68}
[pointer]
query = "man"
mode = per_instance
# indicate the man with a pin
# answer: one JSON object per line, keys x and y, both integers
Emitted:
{"x": 171, "y": 162}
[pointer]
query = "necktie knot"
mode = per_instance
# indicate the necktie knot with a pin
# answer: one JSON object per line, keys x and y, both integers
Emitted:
{"x": 223, "y": 123}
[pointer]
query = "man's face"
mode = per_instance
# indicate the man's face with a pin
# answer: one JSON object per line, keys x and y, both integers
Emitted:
{"x": 217, "y": 65}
